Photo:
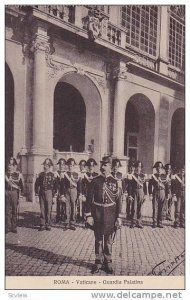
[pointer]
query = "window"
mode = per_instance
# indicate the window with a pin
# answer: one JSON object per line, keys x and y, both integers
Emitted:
{"x": 140, "y": 22}
{"x": 177, "y": 37}
{"x": 132, "y": 143}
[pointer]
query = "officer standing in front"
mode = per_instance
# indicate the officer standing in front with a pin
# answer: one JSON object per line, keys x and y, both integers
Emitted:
{"x": 157, "y": 186}
{"x": 46, "y": 189}
{"x": 13, "y": 190}
{"x": 103, "y": 213}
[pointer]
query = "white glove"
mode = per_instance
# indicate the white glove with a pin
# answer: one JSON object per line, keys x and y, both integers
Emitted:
{"x": 130, "y": 198}
{"x": 83, "y": 198}
{"x": 90, "y": 221}
{"x": 63, "y": 199}
{"x": 150, "y": 197}
{"x": 174, "y": 198}
{"x": 118, "y": 223}
{"x": 80, "y": 197}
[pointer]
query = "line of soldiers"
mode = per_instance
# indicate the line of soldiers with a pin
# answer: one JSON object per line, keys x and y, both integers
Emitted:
{"x": 68, "y": 186}
{"x": 165, "y": 189}
{"x": 100, "y": 197}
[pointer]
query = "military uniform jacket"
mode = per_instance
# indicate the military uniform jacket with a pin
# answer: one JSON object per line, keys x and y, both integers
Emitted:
{"x": 126, "y": 182}
{"x": 70, "y": 181}
{"x": 46, "y": 181}
{"x": 103, "y": 204}
{"x": 60, "y": 175}
{"x": 82, "y": 189}
{"x": 168, "y": 184}
{"x": 86, "y": 181}
{"x": 178, "y": 185}
{"x": 157, "y": 183}
{"x": 119, "y": 177}
{"x": 137, "y": 182}
{"x": 14, "y": 181}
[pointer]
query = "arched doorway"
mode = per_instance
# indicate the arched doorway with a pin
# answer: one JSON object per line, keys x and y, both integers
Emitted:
{"x": 177, "y": 150}
{"x": 139, "y": 130}
{"x": 77, "y": 117}
{"x": 69, "y": 119}
{"x": 9, "y": 112}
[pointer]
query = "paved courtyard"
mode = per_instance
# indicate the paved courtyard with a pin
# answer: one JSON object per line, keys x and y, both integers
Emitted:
{"x": 147, "y": 251}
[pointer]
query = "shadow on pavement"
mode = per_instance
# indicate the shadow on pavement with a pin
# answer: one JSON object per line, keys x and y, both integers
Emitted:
{"x": 29, "y": 219}
{"x": 49, "y": 257}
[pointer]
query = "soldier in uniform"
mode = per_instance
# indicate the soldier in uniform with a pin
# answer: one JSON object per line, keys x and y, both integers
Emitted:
{"x": 90, "y": 174}
{"x": 169, "y": 198}
{"x": 178, "y": 193}
{"x": 131, "y": 170}
{"x": 82, "y": 190}
{"x": 103, "y": 213}
{"x": 116, "y": 164}
{"x": 46, "y": 188}
{"x": 137, "y": 192}
{"x": 122, "y": 183}
{"x": 157, "y": 186}
{"x": 13, "y": 190}
{"x": 60, "y": 200}
{"x": 70, "y": 189}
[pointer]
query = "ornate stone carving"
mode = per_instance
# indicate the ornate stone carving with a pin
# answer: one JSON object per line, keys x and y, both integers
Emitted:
{"x": 94, "y": 24}
{"x": 55, "y": 68}
{"x": 176, "y": 75}
{"x": 145, "y": 61}
{"x": 79, "y": 70}
{"x": 118, "y": 72}
{"x": 100, "y": 80}
{"x": 40, "y": 44}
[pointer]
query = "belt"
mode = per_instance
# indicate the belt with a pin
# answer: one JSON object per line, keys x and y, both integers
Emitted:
{"x": 72, "y": 187}
{"x": 11, "y": 189}
{"x": 104, "y": 204}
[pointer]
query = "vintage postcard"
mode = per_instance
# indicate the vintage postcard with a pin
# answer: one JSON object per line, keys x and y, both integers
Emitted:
{"x": 95, "y": 147}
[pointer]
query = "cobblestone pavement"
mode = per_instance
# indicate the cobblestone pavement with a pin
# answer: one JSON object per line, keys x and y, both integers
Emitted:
{"x": 65, "y": 252}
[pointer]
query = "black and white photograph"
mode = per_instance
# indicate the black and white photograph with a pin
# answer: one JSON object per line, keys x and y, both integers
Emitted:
{"x": 95, "y": 146}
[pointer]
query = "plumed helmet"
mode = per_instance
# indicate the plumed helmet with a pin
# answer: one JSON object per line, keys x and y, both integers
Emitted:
{"x": 115, "y": 162}
{"x": 82, "y": 162}
{"x": 12, "y": 161}
{"x": 61, "y": 161}
{"x": 91, "y": 162}
{"x": 106, "y": 160}
{"x": 137, "y": 163}
{"x": 156, "y": 165}
{"x": 69, "y": 161}
{"x": 48, "y": 161}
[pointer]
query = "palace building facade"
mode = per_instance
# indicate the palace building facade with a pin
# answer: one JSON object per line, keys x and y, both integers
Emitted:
{"x": 85, "y": 81}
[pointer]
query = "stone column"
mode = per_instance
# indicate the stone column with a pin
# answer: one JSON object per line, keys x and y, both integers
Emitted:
{"x": 40, "y": 132}
{"x": 40, "y": 47}
{"x": 120, "y": 75}
{"x": 164, "y": 40}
